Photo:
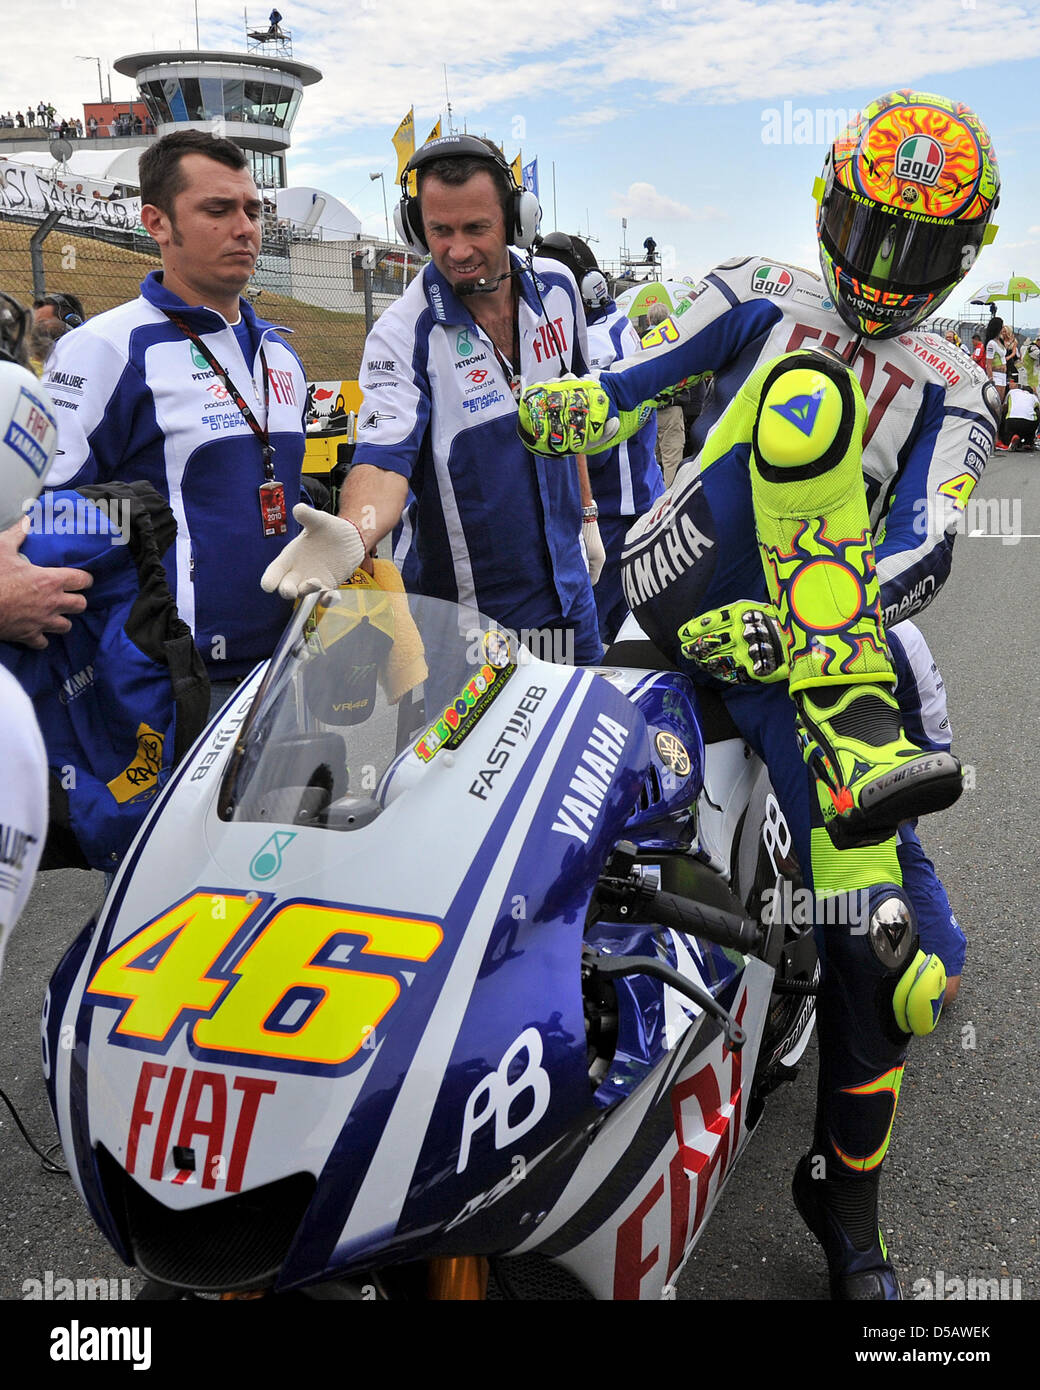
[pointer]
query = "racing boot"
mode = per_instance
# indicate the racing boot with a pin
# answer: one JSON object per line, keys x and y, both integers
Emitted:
{"x": 842, "y": 1215}
{"x": 871, "y": 965}
{"x": 818, "y": 554}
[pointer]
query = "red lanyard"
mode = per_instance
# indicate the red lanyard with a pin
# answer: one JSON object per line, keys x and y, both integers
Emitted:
{"x": 262, "y": 432}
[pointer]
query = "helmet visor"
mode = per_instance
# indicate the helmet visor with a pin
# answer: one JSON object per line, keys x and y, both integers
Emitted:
{"x": 894, "y": 250}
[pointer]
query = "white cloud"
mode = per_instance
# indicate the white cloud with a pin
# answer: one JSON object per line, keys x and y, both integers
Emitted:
{"x": 765, "y": 50}
{"x": 598, "y": 115}
{"x": 643, "y": 201}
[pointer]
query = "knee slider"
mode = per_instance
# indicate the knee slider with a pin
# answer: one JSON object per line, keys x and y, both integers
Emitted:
{"x": 872, "y": 959}
{"x": 918, "y": 998}
{"x": 809, "y": 411}
{"x": 917, "y": 980}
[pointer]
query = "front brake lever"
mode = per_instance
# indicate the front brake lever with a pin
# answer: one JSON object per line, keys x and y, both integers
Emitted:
{"x": 613, "y": 968}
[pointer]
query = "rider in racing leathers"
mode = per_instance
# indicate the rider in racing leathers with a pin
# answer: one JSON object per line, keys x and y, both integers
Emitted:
{"x": 825, "y": 502}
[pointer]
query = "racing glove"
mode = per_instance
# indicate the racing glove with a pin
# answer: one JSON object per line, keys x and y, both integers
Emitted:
{"x": 325, "y": 553}
{"x": 740, "y": 644}
{"x": 568, "y": 416}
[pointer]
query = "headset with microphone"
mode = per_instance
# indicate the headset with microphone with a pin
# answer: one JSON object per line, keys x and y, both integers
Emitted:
{"x": 523, "y": 210}
{"x": 579, "y": 260}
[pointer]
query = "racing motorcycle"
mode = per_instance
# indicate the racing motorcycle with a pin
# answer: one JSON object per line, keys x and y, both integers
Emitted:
{"x": 437, "y": 970}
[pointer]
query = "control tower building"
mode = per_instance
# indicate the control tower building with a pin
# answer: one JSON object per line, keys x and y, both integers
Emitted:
{"x": 251, "y": 98}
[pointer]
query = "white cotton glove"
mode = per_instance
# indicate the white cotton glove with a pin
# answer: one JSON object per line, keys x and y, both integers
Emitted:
{"x": 326, "y": 552}
{"x": 594, "y": 551}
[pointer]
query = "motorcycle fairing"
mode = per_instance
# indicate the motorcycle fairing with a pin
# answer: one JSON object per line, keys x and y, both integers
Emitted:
{"x": 66, "y": 1076}
{"x": 553, "y": 874}
{"x": 646, "y": 1186}
{"x": 103, "y": 1084}
{"x": 652, "y": 1016}
{"x": 663, "y": 817}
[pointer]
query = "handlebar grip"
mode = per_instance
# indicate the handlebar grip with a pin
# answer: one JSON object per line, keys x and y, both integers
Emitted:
{"x": 699, "y": 919}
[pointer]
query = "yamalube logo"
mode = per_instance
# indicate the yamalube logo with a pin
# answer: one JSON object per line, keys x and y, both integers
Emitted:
{"x": 771, "y": 279}
{"x": 919, "y": 158}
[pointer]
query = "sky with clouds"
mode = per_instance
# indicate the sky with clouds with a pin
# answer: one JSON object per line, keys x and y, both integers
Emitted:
{"x": 703, "y": 127}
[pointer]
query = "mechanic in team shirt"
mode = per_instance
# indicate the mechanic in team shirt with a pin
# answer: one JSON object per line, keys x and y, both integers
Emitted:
{"x": 494, "y": 527}
{"x": 187, "y": 389}
{"x": 822, "y": 509}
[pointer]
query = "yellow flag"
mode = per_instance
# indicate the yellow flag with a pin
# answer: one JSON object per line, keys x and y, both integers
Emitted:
{"x": 435, "y": 133}
{"x": 518, "y": 176}
{"x": 404, "y": 141}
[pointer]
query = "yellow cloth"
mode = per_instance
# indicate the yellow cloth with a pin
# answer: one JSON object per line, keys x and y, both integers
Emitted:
{"x": 405, "y": 666}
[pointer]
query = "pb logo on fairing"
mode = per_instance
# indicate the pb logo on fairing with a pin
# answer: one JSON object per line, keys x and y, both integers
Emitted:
{"x": 919, "y": 158}
{"x": 494, "y": 1096}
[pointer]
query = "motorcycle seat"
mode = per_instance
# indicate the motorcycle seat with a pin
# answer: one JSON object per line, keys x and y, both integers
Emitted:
{"x": 639, "y": 652}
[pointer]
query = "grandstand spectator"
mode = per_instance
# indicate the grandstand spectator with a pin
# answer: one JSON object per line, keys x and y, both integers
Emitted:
{"x": 92, "y": 127}
{"x": 20, "y": 118}
{"x": 30, "y": 115}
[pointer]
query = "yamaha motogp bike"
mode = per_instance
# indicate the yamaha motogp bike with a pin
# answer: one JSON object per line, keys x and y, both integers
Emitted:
{"x": 436, "y": 971}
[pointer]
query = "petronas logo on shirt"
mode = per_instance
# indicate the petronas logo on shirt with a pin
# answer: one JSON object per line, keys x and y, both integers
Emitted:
{"x": 801, "y": 411}
{"x": 198, "y": 358}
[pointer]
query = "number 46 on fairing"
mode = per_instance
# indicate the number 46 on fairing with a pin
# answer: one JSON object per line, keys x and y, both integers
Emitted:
{"x": 277, "y": 993}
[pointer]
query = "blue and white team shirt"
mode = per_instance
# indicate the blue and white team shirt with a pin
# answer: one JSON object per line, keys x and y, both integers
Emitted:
{"x": 626, "y": 481}
{"x": 930, "y": 426}
{"x": 135, "y": 399}
{"x": 495, "y": 526}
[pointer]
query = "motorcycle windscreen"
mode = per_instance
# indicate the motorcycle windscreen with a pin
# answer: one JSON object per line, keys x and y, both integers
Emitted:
{"x": 362, "y": 694}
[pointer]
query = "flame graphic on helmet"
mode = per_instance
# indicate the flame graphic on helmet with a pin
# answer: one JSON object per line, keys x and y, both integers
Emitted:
{"x": 865, "y": 156}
